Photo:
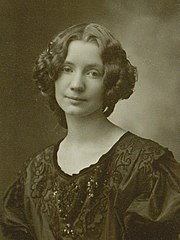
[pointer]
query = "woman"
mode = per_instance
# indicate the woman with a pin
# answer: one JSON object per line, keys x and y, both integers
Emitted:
{"x": 99, "y": 181}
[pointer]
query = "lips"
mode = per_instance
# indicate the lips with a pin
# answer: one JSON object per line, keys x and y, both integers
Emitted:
{"x": 76, "y": 98}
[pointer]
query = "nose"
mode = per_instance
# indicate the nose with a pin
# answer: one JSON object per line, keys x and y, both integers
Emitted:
{"x": 77, "y": 83}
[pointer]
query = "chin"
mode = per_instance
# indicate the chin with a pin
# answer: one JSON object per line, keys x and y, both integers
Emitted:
{"x": 76, "y": 113}
{"x": 80, "y": 113}
{"x": 73, "y": 111}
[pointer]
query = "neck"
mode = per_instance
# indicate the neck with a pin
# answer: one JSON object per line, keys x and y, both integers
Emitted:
{"x": 87, "y": 129}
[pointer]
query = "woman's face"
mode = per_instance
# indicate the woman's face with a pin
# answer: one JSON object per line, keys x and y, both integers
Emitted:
{"x": 79, "y": 88}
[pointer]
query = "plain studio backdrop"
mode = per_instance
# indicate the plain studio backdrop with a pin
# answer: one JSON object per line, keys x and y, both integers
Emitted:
{"x": 148, "y": 32}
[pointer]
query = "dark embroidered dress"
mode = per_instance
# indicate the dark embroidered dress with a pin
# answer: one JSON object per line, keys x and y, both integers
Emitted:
{"x": 131, "y": 193}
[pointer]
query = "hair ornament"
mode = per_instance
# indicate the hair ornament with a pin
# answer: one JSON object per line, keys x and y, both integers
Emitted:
{"x": 49, "y": 48}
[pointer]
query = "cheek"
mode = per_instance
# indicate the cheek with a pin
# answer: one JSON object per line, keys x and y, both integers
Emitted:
{"x": 59, "y": 86}
{"x": 58, "y": 91}
{"x": 99, "y": 96}
{"x": 62, "y": 83}
{"x": 99, "y": 91}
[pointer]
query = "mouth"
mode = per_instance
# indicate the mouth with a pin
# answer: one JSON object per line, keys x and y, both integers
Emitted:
{"x": 76, "y": 99}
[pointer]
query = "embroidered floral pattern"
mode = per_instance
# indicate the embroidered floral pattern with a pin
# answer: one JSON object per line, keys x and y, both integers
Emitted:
{"x": 77, "y": 207}
{"x": 150, "y": 153}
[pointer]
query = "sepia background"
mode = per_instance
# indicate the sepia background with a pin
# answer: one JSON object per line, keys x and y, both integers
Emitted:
{"x": 148, "y": 33}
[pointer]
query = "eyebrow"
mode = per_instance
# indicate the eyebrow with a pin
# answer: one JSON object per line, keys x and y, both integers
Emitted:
{"x": 68, "y": 62}
{"x": 91, "y": 65}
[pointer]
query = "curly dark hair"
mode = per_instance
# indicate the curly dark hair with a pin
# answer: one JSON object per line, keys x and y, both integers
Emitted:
{"x": 119, "y": 75}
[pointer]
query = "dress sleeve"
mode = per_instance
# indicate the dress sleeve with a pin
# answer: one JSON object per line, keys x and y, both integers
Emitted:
{"x": 155, "y": 212}
{"x": 13, "y": 217}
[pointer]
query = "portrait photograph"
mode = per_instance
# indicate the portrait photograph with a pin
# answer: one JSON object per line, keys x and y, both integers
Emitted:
{"x": 89, "y": 120}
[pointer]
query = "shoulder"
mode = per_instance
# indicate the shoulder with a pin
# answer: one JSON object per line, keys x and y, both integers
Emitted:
{"x": 140, "y": 162}
{"x": 141, "y": 144}
{"x": 133, "y": 143}
{"x": 133, "y": 151}
{"x": 44, "y": 157}
{"x": 39, "y": 164}
{"x": 148, "y": 149}
{"x": 145, "y": 146}
{"x": 39, "y": 170}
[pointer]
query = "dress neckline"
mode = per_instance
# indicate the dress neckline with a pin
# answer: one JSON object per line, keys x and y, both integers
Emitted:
{"x": 86, "y": 169}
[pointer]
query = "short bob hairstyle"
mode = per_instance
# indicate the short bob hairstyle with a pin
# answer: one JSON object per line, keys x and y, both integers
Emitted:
{"x": 119, "y": 75}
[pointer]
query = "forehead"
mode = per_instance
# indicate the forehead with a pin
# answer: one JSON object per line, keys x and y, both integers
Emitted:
{"x": 84, "y": 52}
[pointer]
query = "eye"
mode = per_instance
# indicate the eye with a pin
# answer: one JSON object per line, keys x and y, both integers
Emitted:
{"x": 67, "y": 69}
{"x": 94, "y": 74}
